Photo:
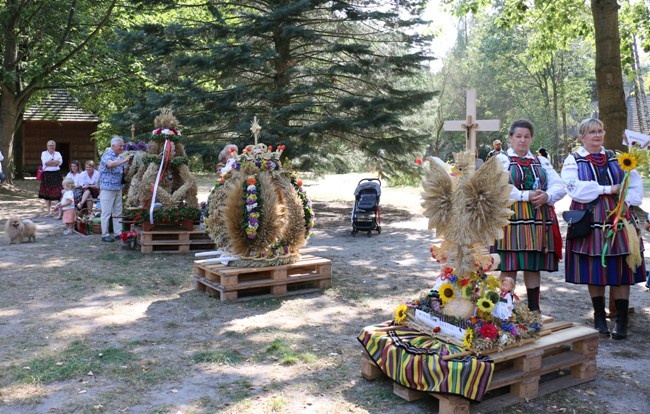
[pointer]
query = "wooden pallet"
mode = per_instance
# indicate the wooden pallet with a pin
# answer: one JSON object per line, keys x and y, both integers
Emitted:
{"x": 174, "y": 241}
{"x": 308, "y": 274}
{"x": 563, "y": 357}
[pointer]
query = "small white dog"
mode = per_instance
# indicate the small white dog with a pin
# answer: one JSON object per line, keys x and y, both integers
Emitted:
{"x": 18, "y": 230}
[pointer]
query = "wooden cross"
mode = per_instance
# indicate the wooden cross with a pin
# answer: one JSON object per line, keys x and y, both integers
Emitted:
{"x": 470, "y": 125}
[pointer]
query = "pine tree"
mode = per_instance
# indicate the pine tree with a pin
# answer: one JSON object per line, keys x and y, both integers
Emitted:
{"x": 322, "y": 76}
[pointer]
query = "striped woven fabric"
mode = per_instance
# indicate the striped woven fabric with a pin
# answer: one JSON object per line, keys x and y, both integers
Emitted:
{"x": 415, "y": 360}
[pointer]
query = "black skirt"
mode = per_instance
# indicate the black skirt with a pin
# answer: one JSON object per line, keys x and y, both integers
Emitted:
{"x": 51, "y": 188}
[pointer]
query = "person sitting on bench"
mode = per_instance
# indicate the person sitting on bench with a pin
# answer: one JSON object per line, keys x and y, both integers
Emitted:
{"x": 89, "y": 181}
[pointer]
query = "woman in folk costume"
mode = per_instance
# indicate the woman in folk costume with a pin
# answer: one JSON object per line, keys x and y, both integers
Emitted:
{"x": 532, "y": 241}
{"x": 608, "y": 256}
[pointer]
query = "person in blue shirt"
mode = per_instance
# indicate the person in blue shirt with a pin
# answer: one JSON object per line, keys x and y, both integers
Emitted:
{"x": 112, "y": 169}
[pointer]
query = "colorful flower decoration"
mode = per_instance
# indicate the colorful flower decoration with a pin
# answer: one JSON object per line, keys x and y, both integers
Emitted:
{"x": 401, "y": 313}
{"x": 251, "y": 207}
{"x": 165, "y": 131}
{"x": 484, "y": 329}
{"x": 489, "y": 331}
{"x": 306, "y": 205}
{"x": 447, "y": 292}
{"x": 627, "y": 161}
{"x": 484, "y": 304}
{"x": 468, "y": 338}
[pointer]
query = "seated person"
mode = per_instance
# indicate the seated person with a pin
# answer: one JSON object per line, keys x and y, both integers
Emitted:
{"x": 89, "y": 182}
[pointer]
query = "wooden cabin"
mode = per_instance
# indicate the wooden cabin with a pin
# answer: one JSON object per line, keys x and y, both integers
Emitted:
{"x": 59, "y": 117}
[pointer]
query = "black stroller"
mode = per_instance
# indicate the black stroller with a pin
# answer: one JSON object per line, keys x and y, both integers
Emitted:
{"x": 366, "y": 213}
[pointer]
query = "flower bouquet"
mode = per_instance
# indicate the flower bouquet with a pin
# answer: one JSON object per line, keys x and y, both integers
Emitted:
{"x": 129, "y": 239}
{"x": 470, "y": 311}
{"x": 627, "y": 161}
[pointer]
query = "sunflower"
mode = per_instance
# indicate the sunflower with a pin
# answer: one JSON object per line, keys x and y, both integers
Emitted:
{"x": 627, "y": 161}
{"x": 484, "y": 304}
{"x": 468, "y": 338}
{"x": 400, "y": 313}
{"x": 446, "y": 292}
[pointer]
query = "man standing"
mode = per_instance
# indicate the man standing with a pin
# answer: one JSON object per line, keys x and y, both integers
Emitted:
{"x": 496, "y": 144}
{"x": 112, "y": 169}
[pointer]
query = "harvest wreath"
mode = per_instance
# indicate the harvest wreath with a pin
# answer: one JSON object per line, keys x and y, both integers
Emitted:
{"x": 465, "y": 311}
{"x": 258, "y": 211}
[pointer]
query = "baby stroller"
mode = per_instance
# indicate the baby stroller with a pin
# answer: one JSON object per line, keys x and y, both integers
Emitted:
{"x": 366, "y": 213}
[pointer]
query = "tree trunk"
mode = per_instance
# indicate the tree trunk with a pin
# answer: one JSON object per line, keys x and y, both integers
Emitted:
{"x": 8, "y": 118}
{"x": 639, "y": 89}
{"x": 19, "y": 148}
{"x": 609, "y": 76}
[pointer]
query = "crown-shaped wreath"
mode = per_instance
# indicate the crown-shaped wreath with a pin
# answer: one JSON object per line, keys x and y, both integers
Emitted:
{"x": 166, "y": 126}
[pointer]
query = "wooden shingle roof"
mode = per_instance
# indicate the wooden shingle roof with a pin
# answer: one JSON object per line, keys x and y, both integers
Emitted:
{"x": 59, "y": 106}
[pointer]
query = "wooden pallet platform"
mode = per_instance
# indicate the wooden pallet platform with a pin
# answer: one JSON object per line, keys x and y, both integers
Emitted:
{"x": 563, "y": 357}
{"x": 308, "y": 274}
{"x": 174, "y": 241}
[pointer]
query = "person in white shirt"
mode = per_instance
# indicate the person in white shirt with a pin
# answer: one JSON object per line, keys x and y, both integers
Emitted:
{"x": 73, "y": 174}
{"x": 50, "y": 188}
{"x": 66, "y": 205}
{"x": 89, "y": 182}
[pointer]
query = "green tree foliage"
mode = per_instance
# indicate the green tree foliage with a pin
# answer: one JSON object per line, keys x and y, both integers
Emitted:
{"x": 322, "y": 76}
{"x": 41, "y": 41}
{"x": 559, "y": 23}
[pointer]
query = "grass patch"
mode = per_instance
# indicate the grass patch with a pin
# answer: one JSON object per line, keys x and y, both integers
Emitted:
{"x": 219, "y": 356}
{"x": 238, "y": 390}
{"x": 76, "y": 360}
{"x": 281, "y": 352}
{"x": 234, "y": 334}
{"x": 278, "y": 403}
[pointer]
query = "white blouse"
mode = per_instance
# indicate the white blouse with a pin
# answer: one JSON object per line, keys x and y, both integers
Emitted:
{"x": 75, "y": 178}
{"x": 587, "y": 191}
{"x": 46, "y": 156}
{"x": 86, "y": 180}
{"x": 555, "y": 189}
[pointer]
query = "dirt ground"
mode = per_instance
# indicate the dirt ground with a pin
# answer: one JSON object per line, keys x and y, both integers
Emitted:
{"x": 88, "y": 327}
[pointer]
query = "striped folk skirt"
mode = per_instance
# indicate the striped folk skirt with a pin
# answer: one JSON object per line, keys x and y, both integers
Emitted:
{"x": 584, "y": 256}
{"x": 531, "y": 241}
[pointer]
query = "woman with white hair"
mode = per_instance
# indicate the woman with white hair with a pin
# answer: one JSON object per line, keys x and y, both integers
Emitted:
{"x": 51, "y": 188}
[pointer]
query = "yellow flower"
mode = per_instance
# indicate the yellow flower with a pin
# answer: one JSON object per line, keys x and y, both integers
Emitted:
{"x": 446, "y": 292}
{"x": 493, "y": 283}
{"x": 468, "y": 338}
{"x": 400, "y": 313}
{"x": 627, "y": 161}
{"x": 484, "y": 304}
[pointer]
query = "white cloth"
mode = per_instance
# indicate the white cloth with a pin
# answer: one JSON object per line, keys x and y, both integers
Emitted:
{"x": 75, "y": 178}
{"x": 111, "y": 201}
{"x": 587, "y": 191}
{"x": 555, "y": 189}
{"x": 47, "y": 156}
{"x": 2, "y": 158}
{"x": 86, "y": 180}
{"x": 67, "y": 195}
